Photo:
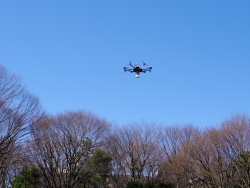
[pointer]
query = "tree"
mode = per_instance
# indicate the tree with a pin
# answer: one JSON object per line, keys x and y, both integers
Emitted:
{"x": 165, "y": 185}
{"x": 28, "y": 178}
{"x": 236, "y": 140}
{"x": 242, "y": 169}
{"x": 216, "y": 154}
{"x": 134, "y": 184}
{"x": 135, "y": 152}
{"x": 148, "y": 184}
{"x": 207, "y": 157}
{"x": 62, "y": 147}
{"x": 100, "y": 162}
{"x": 177, "y": 166}
{"x": 19, "y": 110}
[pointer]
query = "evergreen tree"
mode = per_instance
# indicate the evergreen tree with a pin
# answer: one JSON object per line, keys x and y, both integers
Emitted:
{"x": 28, "y": 178}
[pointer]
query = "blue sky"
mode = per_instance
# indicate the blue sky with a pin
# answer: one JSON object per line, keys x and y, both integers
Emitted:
{"x": 71, "y": 55}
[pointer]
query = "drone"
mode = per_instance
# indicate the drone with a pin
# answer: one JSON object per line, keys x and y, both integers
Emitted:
{"x": 137, "y": 69}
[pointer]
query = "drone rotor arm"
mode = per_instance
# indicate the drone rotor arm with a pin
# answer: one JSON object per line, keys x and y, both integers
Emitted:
{"x": 147, "y": 69}
{"x": 131, "y": 65}
{"x": 127, "y": 69}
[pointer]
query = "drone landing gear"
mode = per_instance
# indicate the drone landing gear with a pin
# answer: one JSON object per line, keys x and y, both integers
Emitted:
{"x": 137, "y": 75}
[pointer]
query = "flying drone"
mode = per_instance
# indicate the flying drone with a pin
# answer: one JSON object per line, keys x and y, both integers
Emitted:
{"x": 137, "y": 69}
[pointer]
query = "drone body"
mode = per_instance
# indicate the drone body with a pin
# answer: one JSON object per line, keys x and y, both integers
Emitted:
{"x": 137, "y": 69}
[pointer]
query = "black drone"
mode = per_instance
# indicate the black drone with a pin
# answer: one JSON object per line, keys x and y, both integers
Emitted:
{"x": 137, "y": 69}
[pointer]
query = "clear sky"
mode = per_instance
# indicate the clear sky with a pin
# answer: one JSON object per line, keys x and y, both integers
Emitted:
{"x": 71, "y": 55}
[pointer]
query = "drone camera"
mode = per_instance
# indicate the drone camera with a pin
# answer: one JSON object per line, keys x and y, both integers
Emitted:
{"x": 137, "y": 75}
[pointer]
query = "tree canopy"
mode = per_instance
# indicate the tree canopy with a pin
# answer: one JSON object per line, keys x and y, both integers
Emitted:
{"x": 79, "y": 149}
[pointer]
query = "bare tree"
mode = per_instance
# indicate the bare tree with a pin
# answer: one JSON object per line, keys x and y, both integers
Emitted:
{"x": 62, "y": 145}
{"x": 177, "y": 166}
{"x": 220, "y": 155}
{"x": 18, "y": 111}
{"x": 135, "y": 152}
{"x": 236, "y": 140}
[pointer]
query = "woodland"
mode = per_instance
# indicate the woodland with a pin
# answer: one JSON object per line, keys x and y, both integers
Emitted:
{"x": 78, "y": 149}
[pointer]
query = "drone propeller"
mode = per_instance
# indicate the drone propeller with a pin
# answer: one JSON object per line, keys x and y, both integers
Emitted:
{"x": 143, "y": 64}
